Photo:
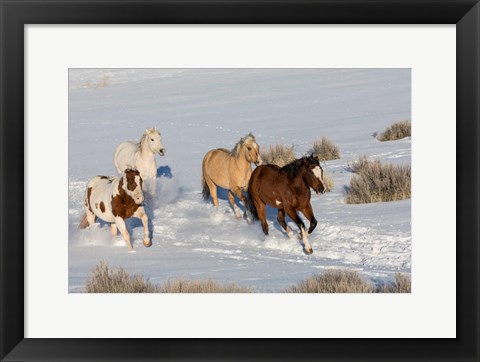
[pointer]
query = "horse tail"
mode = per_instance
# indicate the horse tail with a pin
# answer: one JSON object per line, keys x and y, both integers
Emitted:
{"x": 83, "y": 221}
{"x": 205, "y": 189}
{"x": 250, "y": 206}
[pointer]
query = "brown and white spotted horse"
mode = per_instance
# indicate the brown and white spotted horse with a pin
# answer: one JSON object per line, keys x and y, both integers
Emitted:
{"x": 114, "y": 199}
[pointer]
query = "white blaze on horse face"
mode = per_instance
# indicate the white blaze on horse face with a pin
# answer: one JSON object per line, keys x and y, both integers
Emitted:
{"x": 278, "y": 202}
{"x": 318, "y": 172}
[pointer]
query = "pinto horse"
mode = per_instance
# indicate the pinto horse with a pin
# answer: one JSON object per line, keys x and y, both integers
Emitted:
{"x": 288, "y": 190}
{"x": 141, "y": 156}
{"x": 114, "y": 199}
{"x": 230, "y": 170}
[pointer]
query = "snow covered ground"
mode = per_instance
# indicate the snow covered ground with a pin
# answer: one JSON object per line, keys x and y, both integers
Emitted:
{"x": 200, "y": 109}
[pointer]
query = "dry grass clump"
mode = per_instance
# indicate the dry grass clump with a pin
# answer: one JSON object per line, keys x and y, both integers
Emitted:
{"x": 396, "y": 131}
{"x": 201, "y": 286}
{"x": 377, "y": 182}
{"x": 278, "y": 154}
{"x": 326, "y": 149}
{"x": 100, "y": 83}
{"x": 328, "y": 182}
{"x": 333, "y": 281}
{"x": 402, "y": 284}
{"x": 107, "y": 280}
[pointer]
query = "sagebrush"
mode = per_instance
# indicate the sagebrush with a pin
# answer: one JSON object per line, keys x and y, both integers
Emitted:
{"x": 396, "y": 131}
{"x": 402, "y": 284}
{"x": 333, "y": 281}
{"x": 329, "y": 184}
{"x": 325, "y": 149}
{"x": 345, "y": 281}
{"x": 278, "y": 154}
{"x": 200, "y": 286}
{"x": 377, "y": 182}
{"x": 107, "y": 280}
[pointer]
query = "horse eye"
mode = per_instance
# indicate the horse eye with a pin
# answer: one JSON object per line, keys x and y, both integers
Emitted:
{"x": 249, "y": 148}
{"x": 151, "y": 139}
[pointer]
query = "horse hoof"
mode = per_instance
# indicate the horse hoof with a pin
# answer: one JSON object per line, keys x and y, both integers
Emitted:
{"x": 147, "y": 243}
{"x": 309, "y": 251}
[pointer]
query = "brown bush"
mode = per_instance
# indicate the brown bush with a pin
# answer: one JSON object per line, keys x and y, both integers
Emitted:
{"x": 278, "y": 154}
{"x": 333, "y": 281}
{"x": 402, "y": 284}
{"x": 201, "y": 286}
{"x": 396, "y": 131}
{"x": 329, "y": 184}
{"x": 377, "y": 182}
{"x": 107, "y": 280}
{"x": 326, "y": 149}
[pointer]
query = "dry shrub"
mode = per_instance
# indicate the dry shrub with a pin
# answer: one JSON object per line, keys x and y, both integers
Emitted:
{"x": 278, "y": 154}
{"x": 100, "y": 83}
{"x": 326, "y": 149}
{"x": 107, "y": 280}
{"x": 396, "y": 131}
{"x": 201, "y": 286}
{"x": 402, "y": 284}
{"x": 328, "y": 182}
{"x": 377, "y": 182}
{"x": 333, "y": 281}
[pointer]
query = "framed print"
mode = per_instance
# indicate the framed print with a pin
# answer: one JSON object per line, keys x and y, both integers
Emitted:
{"x": 414, "y": 60}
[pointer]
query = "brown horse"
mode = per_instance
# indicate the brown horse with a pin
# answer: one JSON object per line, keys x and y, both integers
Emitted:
{"x": 230, "y": 170}
{"x": 288, "y": 190}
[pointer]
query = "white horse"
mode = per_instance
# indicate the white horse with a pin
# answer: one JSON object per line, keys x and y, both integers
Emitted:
{"x": 114, "y": 199}
{"x": 141, "y": 156}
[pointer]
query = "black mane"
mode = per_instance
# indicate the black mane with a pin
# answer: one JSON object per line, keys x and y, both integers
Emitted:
{"x": 293, "y": 168}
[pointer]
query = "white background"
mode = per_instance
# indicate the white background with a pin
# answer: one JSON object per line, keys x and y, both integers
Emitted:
{"x": 429, "y": 311}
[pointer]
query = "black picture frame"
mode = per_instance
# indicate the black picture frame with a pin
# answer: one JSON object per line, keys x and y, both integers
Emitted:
{"x": 16, "y": 14}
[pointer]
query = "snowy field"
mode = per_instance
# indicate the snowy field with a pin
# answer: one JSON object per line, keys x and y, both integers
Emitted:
{"x": 200, "y": 109}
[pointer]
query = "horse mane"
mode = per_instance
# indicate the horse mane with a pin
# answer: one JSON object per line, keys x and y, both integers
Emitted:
{"x": 293, "y": 168}
{"x": 144, "y": 137}
{"x": 236, "y": 149}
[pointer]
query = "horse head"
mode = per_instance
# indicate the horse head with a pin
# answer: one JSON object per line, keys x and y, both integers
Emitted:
{"x": 153, "y": 140}
{"x": 132, "y": 184}
{"x": 252, "y": 150}
{"x": 315, "y": 173}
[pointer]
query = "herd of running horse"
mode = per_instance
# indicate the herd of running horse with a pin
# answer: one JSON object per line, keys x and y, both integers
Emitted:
{"x": 116, "y": 198}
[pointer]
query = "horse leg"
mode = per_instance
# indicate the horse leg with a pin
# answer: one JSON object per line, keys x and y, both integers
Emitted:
{"x": 113, "y": 229}
{"x": 238, "y": 192}
{"x": 308, "y": 212}
{"x": 140, "y": 213}
{"x": 123, "y": 230}
{"x": 236, "y": 210}
{"x": 213, "y": 191}
{"x": 294, "y": 216}
{"x": 262, "y": 214}
{"x": 281, "y": 221}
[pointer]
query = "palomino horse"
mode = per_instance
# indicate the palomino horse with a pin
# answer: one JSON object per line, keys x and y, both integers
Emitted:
{"x": 288, "y": 190}
{"x": 114, "y": 199}
{"x": 230, "y": 170}
{"x": 141, "y": 156}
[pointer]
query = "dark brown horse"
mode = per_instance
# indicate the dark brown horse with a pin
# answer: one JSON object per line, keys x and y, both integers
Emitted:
{"x": 288, "y": 190}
